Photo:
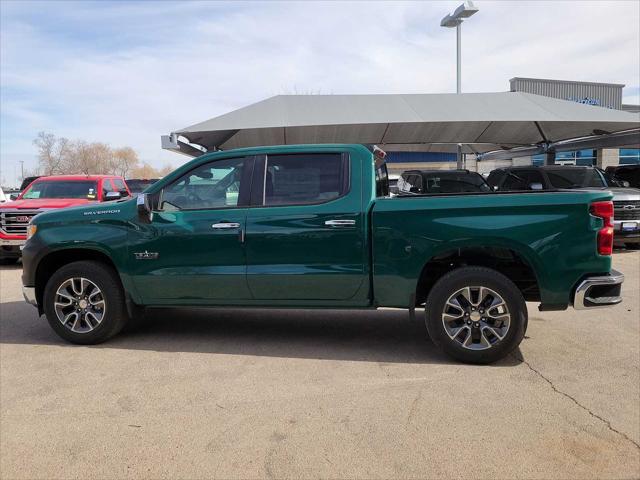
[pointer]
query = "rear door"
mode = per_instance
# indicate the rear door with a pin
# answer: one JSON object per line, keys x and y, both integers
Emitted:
{"x": 305, "y": 228}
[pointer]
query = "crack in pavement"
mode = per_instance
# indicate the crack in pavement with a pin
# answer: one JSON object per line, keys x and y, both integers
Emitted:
{"x": 564, "y": 394}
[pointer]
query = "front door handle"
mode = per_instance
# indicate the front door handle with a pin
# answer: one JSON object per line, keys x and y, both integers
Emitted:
{"x": 225, "y": 225}
{"x": 340, "y": 223}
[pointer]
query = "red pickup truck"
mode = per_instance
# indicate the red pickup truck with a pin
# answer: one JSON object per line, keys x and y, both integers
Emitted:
{"x": 47, "y": 193}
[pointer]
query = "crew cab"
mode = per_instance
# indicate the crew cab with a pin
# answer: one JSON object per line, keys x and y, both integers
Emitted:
{"x": 626, "y": 201}
{"x": 47, "y": 193}
{"x": 314, "y": 226}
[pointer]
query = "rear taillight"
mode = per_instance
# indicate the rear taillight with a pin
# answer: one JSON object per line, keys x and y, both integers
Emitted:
{"x": 604, "y": 210}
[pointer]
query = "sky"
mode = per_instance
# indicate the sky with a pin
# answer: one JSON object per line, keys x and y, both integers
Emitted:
{"x": 125, "y": 73}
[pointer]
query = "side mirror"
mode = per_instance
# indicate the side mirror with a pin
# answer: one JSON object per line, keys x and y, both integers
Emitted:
{"x": 110, "y": 196}
{"x": 414, "y": 190}
{"x": 494, "y": 188}
{"x": 625, "y": 184}
{"x": 144, "y": 208}
{"x": 535, "y": 186}
{"x": 14, "y": 196}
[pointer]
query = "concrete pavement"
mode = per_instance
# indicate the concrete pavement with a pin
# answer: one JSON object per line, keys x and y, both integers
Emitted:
{"x": 321, "y": 394}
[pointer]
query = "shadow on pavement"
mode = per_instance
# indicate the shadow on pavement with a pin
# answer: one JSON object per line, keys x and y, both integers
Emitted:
{"x": 370, "y": 336}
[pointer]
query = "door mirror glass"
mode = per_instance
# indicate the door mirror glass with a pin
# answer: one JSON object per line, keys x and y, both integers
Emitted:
{"x": 535, "y": 186}
{"x": 144, "y": 208}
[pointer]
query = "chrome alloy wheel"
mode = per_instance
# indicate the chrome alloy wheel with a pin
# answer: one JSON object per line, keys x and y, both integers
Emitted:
{"x": 476, "y": 318}
{"x": 79, "y": 305}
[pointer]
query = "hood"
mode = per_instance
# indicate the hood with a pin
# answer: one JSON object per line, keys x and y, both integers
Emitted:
{"x": 625, "y": 193}
{"x": 44, "y": 203}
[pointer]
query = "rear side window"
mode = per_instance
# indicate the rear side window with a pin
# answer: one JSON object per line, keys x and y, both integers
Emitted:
{"x": 455, "y": 182}
{"x": 305, "y": 178}
{"x": 495, "y": 177}
{"x": 575, "y": 178}
{"x": 410, "y": 183}
{"x": 522, "y": 180}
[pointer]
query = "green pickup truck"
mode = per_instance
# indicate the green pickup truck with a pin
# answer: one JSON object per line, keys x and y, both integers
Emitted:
{"x": 313, "y": 226}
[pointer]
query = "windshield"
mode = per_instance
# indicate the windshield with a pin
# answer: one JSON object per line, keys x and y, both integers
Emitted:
{"x": 575, "y": 178}
{"x": 137, "y": 186}
{"x": 455, "y": 182}
{"x": 62, "y": 189}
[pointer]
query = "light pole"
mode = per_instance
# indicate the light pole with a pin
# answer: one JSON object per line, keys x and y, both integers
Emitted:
{"x": 455, "y": 19}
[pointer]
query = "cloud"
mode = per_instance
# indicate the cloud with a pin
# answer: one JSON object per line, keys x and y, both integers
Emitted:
{"x": 125, "y": 73}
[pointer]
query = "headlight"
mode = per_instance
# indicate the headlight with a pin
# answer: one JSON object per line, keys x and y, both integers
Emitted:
{"x": 31, "y": 230}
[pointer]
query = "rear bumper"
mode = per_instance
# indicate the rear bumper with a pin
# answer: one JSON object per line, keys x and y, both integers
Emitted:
{"x": 600, "y": 291}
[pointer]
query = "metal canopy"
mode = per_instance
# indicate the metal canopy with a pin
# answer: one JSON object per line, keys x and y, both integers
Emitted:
{"x": 483, "y": 122}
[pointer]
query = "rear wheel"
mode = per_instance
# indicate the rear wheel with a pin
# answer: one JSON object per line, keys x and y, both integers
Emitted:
{"x": 476, "y": 315}
{"x": 84, "y": 303}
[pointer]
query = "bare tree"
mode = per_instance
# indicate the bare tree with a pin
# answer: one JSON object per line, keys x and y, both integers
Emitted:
{"x": 144, "y": 170}
{"x": 52, "y": 153}
{"x": 61, "y": 156}
{"x": 124, "y": 159}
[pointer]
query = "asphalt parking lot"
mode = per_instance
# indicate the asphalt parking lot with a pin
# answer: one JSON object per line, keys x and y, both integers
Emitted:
{"x": 321, "y": 394}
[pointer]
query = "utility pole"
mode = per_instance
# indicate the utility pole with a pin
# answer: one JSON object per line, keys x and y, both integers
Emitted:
{"x": 455, "y": 19}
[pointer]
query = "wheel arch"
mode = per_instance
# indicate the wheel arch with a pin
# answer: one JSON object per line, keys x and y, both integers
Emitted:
{"x": 511, "y": 262}
{"x": 58, "y": 258}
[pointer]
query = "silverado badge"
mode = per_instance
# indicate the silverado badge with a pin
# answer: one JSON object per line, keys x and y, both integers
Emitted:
{"x": 146, "y": 255}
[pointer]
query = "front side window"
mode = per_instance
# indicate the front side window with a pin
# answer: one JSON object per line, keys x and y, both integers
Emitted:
{"x": 212, "y": 185}
{"x": 62, "y": 189}
{"x": 120, "y": 186}
{"x": 107, "y": 187}
{"x": 305, "y": 178}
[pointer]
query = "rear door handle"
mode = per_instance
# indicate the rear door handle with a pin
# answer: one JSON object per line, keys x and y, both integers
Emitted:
{"x": 340, "y": 223}
{"x": 225, "y": 225}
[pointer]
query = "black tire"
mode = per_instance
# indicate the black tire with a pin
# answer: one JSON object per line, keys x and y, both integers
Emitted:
{"x": 632, "y": 246}
{"x": 107, "y": 280}
{"x": 468, "y": 277}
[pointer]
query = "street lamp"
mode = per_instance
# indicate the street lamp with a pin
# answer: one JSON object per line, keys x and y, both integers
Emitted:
{"x": 455, "y": 19}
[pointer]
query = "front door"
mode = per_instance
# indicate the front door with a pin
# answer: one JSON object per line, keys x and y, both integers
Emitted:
{"x": 193, "y": 251}
{"x": 305, "y": 229}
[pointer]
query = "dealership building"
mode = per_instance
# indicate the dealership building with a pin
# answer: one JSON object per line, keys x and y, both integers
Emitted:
{"x": 603, "y": 95}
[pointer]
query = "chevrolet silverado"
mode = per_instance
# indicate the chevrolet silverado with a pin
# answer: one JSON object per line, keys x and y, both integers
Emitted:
{"x": 314, "y": 226}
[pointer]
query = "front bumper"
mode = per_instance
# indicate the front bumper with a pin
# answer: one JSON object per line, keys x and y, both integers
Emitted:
{"x": 600, "y": 291}
{"x": 12, "y": 241}
{"x": 626, "y": 231}
{"x": 29, "y": 294}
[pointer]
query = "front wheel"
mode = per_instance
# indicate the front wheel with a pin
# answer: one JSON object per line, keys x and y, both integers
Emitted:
{"x": 476, "y": 315}
{"x": 84, "y": 303}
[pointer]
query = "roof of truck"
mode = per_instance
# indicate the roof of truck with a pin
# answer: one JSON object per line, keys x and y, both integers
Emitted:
{"x": 75, "y": 177}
